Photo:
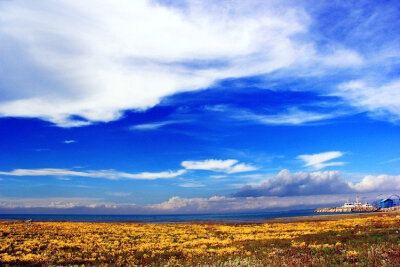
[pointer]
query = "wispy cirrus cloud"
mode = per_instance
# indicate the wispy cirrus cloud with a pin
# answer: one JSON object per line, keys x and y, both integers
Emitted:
{"x": 70, "y": 141}
{"x": 391, "y": 160}
{"x": 118, "y": 194}
{"x": 97, "y": 80}
{"x": 154, "y": 125}
{"x": 63, "y": 178}
{"x": 106, "y": 174}
{"x": 292, "y": 116}
{"x": 49, "y": 203}
{"x": 191, "y": 185}
{"x": 180, "y": 48}
{"x": 41, "y": 149}
{"x": 320, "y": 160}
{"x": 227, "y": 166}
{"x": 218, "y": 176}
{"x": 289, "y": 116}
{"x": 382, "y": 100}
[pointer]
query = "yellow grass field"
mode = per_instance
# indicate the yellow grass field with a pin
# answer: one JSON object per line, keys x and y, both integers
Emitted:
{"x": 366, "y": 240}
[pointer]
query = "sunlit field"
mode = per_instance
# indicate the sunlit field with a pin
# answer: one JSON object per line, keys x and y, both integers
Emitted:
{"x": 372, "y": 240}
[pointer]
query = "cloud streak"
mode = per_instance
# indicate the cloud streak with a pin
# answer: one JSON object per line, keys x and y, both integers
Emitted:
{"x": 106, "y": 174}
{"x": 381, "y": 100}
{"x": 227, "y": 166}
{"x": 320, "y": 160}
{"x": 153, "y": 125}
{"x": 293, "y": 116}
{"x": 191, "y": 185}
{"x": 118, "y": 194}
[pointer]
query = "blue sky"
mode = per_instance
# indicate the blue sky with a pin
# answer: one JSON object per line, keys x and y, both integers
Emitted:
{"x": 197, "y": 106}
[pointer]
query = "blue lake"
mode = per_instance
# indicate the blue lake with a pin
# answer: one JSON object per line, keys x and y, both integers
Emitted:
{"x": 231, "y": 217}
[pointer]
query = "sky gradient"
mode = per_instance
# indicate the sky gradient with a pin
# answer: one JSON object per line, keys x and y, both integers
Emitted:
{"x": 141, "y": 107}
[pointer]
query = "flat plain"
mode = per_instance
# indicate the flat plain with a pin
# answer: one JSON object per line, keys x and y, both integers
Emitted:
{"x": 357, "y": 240}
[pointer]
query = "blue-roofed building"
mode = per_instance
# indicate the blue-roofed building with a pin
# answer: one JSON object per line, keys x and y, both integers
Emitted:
{"x": 386, "y": 203}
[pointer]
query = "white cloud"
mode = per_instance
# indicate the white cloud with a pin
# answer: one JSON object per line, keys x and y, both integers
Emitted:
{"x": 391, "y": 160}
{"x": 154, "y": 125}
{"x": 59, "y": 203}
{"x": 173, "y": 205}
{"x": 73, "y": 59}
{"x": 69, "y": 141}
{"x": 286, "y": 183}
{"x": 107, "y": 174}
{"x": 228, "y": 166}
{"x": 191, "y": 185}
{"x": 209, "y": 164}
{"x": 319, "y": 160}
{"x": 152, "y": 175}
{"x": 63, "y": 178}
{"x": 336, "y": 58}
{"x": 378, "y": 183}
{"x": 218, "y": 176}
{"x": 230, "y": 204}
{"x": 118, "y": 194}
{"x": 241, "y": 167}
{"x": 292, "y": 116}
{"x": 383, "y": 101}
{"x": 286, "y": 190}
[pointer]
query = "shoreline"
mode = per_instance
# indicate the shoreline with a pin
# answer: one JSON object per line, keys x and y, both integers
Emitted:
{"x": 283, "y": 219}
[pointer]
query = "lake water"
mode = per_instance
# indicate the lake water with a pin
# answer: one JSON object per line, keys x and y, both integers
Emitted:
{"x": 231, "y": 217}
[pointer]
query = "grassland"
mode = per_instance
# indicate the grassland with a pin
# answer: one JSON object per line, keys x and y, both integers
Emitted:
{"x": 362, "y": 240}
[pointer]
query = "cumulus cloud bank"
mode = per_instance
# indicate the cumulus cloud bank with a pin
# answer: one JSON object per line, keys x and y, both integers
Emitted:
{"x": 175, "y": 205}
{"x": 378, "y": 183}
{"x": 316, "y": 183}
{"x": 286, "y": 190}
{"x": 233, "y": 204}
{"x": 299, "y": 184}
{"x": 72, "y": 64}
